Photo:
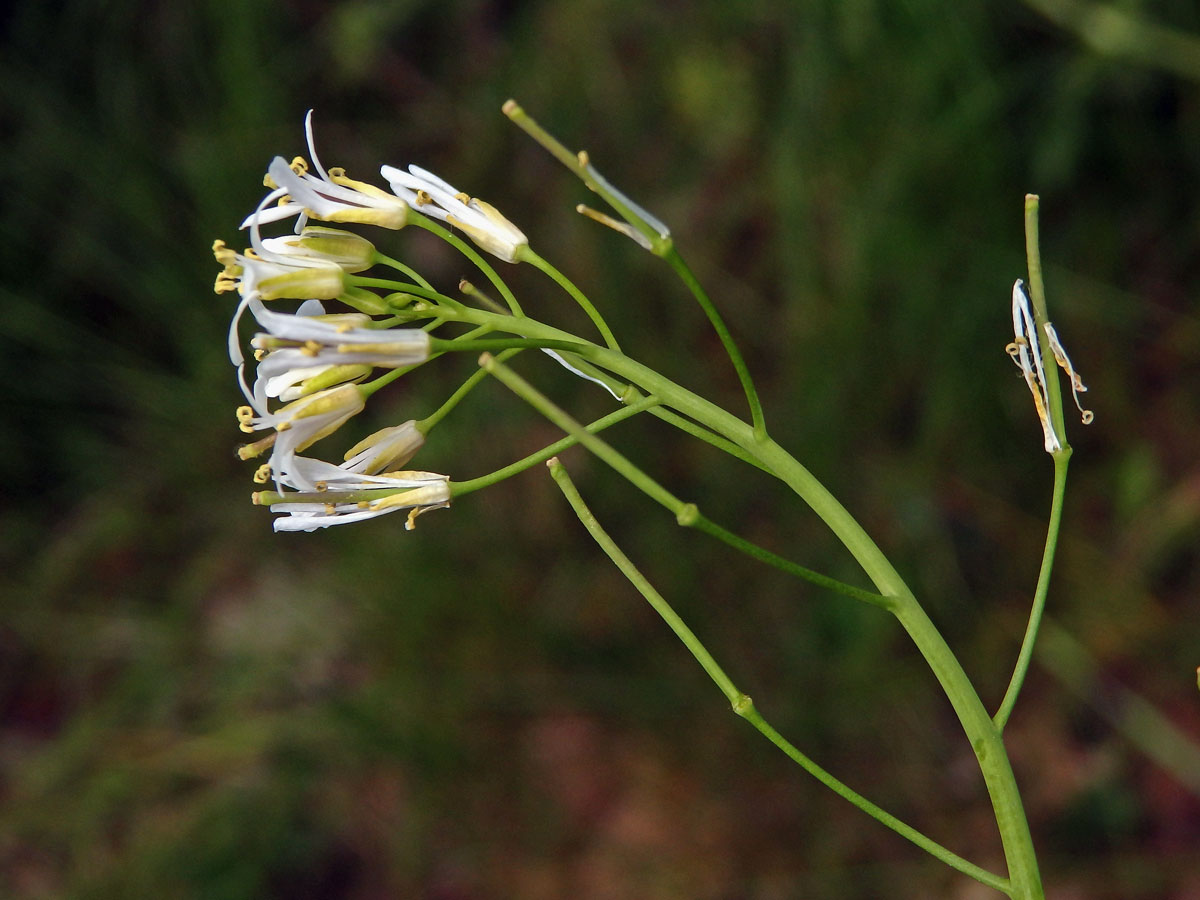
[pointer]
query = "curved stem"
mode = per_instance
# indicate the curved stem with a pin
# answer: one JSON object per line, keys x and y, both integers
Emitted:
{"x": 731, "y": 349}
{"x": 741, "y": 703}
{"x": 459, "y": 488}
{"x": 1039, "y": 596}
{"x": 686, "y": 514}
{"x": 412, "y": 273}
{"x": 982, "y": 733}
{"x": 529, "y": 256}
{"x": 466, "y": 250}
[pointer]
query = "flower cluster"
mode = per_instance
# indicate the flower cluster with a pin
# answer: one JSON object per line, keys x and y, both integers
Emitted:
{"x": 314, "y": 368}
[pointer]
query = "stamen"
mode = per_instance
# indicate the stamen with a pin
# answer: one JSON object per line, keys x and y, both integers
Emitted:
{"x": 262, "y": 474}
{"x": 1064, "y": 361}
{"x": 245, "y": 417}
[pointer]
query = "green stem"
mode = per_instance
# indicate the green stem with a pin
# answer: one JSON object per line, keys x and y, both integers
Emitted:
{"x": 427, "y": 424}
{"x": 731, "y": 349}
{"x": 1041, "y": 315}
{"x": 741, "y": 703}
{"x": 1039, "y": 596}
{"x": 686, "y": 514}
{"x": 401, "y": 267}
{"x": 458, "y": 488}
{"x": 528, "y": 255}
{"x": 977, "y": 724}
{"x": 466, "y": 250}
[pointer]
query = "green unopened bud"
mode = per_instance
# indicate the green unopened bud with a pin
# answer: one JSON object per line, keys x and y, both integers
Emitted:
{"x": 350, "y": 251}
{"x": 386, "y": 449}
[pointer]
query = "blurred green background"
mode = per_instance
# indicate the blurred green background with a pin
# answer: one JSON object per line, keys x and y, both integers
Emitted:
{"x": 193, "y": 707}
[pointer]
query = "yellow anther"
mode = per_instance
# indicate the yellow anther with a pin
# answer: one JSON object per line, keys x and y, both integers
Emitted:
{"x": 262, "y": 474}
{"x": 584, "y": 159}
{"x": 311, "y": 348}
{"x": 284, "y": 425}
{"x": 423, "y": 198}
{"x": 330, "y": 509}
{"x": 462, "y": 197}
{"x": 299, "y": 165}
{"x": 336, "y": 172}
{"x": 225, "y": 283}
{"x": 322, "y": 485}
{"x": 245, "y": 414}
{"x": 223, "y": 254}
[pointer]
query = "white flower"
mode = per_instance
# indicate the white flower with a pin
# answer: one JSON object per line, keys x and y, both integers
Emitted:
{"x": 301, "y": 423}
{"x": 481, "y": 221}
{"x": 328, "y": 195}
{"x": 332, "y": 197}
{"x": 272, "y": 276}
{"x": 302, "y": 346}
{"x": 340, "y": 497}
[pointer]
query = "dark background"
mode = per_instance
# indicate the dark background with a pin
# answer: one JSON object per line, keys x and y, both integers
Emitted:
{"x": 193, "y": 707}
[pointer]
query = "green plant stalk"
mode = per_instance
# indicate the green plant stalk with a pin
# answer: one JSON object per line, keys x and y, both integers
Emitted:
{"x": 627, "y": 393}
{"x": 427, "y": 424}
{"x": 1040, "y": 594}
{"x": 982, "y": 733}
{"x": 731, "y": 349}
{"x": 741, "y": 703}
{"x": 1041, "y": 315}
{"x": 660, "y": 245}
{"x": 404, "y": 269}
{"x": 1061, "y": 457}
{"x": 459, "y": 488}
{"x": 686, "y": 514}
{"x": 462, "y": 247}
{"x": 527, "y": 254}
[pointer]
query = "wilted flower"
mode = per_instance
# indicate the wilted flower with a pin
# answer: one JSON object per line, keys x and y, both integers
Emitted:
{"x": 1026, "y": 352}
